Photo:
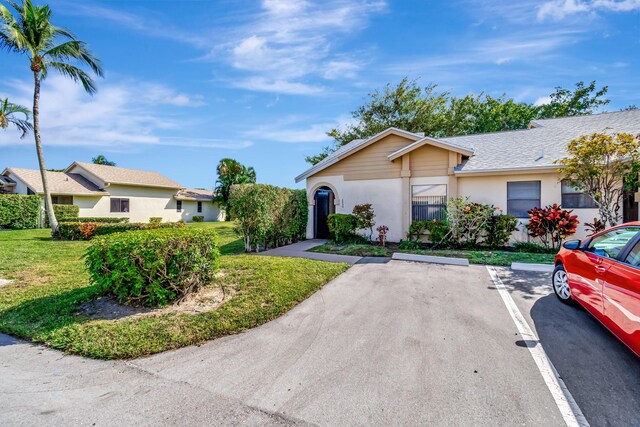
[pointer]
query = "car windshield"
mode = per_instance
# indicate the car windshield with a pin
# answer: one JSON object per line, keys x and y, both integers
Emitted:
{"x": 612, "y": 242}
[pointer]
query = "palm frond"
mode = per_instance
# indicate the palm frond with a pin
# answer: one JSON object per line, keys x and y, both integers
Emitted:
{"x": 76, "y": 74}
{"x": 9, "y": 116}
{"x": 75, "y": 49}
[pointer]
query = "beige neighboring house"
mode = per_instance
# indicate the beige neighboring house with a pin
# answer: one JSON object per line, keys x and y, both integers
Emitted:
{"x": 408, "y": 176}
{"x": 111, "y": 191}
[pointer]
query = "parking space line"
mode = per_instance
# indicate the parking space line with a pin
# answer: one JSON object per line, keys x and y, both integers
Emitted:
{"x": 568, "y": 407}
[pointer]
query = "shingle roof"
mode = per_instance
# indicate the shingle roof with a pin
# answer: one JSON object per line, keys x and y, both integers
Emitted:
{"x": 124, "y": 176}
{"x": 199, "y": 194}
{"x": 541, "y": 145}
{"x": 59, "y": 182}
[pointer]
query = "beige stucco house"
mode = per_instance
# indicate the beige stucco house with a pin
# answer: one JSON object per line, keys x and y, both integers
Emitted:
{"x": 111, "y": 191}
{"x": 408, "y": 176}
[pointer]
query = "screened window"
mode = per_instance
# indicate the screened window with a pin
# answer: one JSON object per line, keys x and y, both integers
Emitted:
{"x": 179, "y": 206}
{"x": 428, "y": 202}
{"x": 522, "y": 196}
{"x": 199, "y": 207}
{"x": 119, "y": 205}
{"x": 574, "y": 198}
{"x": 62, "y": 200}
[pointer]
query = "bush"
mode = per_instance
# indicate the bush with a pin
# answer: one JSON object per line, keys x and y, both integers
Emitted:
{"x": 409, "y": 244}
{"x": 267, "y": 215}
{"x": 499, "y": 230}
{"x": 198, "y": 218}
{"x": 18, "y": 211}
{"x": 106, "y": 219}
{"x": 438, "y": 231}
{"x": 64, "y": 213}
{"x": 467, "y": 220}
{"x": 155, "y": 220}
{"x": 342, "y": 227}
{"x": 153, "y": 267}
{"x": 364, "y": 217}
{"x": 551, "y": 225}
{"x": 533, "y": 248}
{"x": 87, "y": 230}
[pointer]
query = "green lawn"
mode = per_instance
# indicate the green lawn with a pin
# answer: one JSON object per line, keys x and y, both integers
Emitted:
{"x": 50, "y": 284}
{"x": 487, "y": 257}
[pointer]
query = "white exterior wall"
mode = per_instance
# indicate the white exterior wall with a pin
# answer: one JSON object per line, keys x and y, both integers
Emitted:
{"x": 493, "y": 190}
{"x": 385, "y": 196}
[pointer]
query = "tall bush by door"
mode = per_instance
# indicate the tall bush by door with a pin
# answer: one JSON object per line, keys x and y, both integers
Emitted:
{"x": 18, "y": 211}
{"x": 64, "y": 213}
{"x": 268, "y": 216}
{"x": 342, "y": 227}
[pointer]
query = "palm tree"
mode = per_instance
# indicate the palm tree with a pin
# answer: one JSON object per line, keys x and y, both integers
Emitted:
{"x": 102, "y": 160}
{"x": 47, "y": 47}
{"x": 231, "y": 172}
{"x": 9, "y": 115}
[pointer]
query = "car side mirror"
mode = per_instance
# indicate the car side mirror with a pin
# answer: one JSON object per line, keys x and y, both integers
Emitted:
{"x": 572, "y": 245}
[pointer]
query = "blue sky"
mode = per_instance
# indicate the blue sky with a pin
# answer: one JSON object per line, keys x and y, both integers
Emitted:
{"x": 190, "y": 82}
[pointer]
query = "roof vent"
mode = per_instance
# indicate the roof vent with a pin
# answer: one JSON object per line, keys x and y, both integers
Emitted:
{"x": 540, "y": 155}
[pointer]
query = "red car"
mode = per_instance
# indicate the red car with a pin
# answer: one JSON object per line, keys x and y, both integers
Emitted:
{"x": 602, "y": 273}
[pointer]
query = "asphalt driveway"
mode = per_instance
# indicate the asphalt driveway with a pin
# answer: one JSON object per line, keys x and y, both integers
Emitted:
{"x": 393, "y": 343}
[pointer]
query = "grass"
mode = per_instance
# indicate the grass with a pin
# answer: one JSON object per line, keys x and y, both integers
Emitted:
{"x": 488, "y": 257}
{"x": 50, "y": 284}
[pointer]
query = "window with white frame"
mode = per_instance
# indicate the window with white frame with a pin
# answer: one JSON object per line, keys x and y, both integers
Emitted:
{"x": 119, "y": 205}
{"x": 428, "y": 202}
{"x": 521, "y": 197}
{"x": 574, "y": 198}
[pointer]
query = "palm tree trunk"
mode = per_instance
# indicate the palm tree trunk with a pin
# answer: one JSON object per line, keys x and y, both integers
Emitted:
{"x": 43, "y": 170}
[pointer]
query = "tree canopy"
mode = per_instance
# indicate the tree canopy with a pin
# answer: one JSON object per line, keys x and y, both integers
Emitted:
{"x": 231, "y": 172}
{"x": 102, "y": 160}
{"x": 15, "y": 115}
{"x": 409, "y": 107}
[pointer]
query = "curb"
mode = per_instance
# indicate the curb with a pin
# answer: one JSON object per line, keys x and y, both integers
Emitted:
{"x": 430, "y": 259}
{"x": 525, "y": 266}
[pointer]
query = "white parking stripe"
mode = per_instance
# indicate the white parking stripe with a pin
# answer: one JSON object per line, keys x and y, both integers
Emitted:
{"x": 568, "y": 407}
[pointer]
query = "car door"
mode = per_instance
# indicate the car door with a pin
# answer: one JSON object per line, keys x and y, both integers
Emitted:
{"x": 621, "y": 298}
{"x": 588, "y": 269}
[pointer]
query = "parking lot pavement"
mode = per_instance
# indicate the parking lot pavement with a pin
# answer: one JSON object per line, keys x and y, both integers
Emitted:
{"x": 600, "y": 372}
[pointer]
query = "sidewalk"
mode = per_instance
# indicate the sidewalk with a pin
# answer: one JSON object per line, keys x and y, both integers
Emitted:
{"x": 298, "y": 250}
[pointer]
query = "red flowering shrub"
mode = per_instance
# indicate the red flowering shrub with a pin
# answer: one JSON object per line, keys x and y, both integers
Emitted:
{"x": 551, "y": 225}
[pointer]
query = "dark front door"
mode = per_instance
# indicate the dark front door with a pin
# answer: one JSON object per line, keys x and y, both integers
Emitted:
{"x": 324, "y": 206}
{"x": 629, "y": 207}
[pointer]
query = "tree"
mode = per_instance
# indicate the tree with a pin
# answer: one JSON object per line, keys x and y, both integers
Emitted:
{"x": 15, "y": 115}
{"x": 439, "y": 114}
{"x": 102, "y": 160}
{"x": 600, "y": 165}
{"x": 32, "y": 34}
{"x": 231, "y": 172}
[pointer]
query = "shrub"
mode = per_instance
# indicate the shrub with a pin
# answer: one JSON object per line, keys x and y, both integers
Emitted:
{"x": 64, "y": 213}
{"x": 410, "y": 244}
{"x": 267, "y": 215}
{"x": 198, "y": 218}
{"x": 531, "y": 248}
{"x": 467, "y": 220}
{"x": 153, "y": 267}
{"x": 342, "y": 227}
{"x": 87, "y": 230}
{"x": 438, "y": 231}
{"x": 594, "y": 227}
{"x": 155, "y": 220}
{"x": 18, "y": 211}
{"x": 364, "y": 217}
{"x": 551, "y": 225}
{"x": 499, "y": 230}
{"x": 107, "y": 219}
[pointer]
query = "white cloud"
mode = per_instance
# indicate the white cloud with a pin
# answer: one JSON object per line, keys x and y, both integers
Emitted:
{"x": 119, "y": 115}
{"x": 543, "y": 100}
{"x": 292, "y": 130}
{"x": 560, "y": 9}
{"x": 264, "y": 84}
{"x": 341, "y": 69}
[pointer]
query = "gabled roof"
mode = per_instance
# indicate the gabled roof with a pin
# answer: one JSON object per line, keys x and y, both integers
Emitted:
{"x": 431, "y": 141}
{"x": 353, "y": 147}
{"x": 199, "y": 194}
{"x": 124, "y": 176}
{"x": 68, "y": 184}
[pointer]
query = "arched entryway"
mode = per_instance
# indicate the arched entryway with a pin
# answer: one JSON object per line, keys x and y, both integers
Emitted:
{"x": 324, "y": 205}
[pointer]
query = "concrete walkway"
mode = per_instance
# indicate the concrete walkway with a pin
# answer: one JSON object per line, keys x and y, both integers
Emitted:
{"x": 298, "y": 250}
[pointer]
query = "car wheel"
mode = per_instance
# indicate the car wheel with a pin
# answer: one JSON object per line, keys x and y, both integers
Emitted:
{"x": 561, "y": 284}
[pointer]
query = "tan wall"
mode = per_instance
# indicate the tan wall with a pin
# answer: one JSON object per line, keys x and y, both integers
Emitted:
{"x": 371, "y": 162}
{"x": 429, "y": 161}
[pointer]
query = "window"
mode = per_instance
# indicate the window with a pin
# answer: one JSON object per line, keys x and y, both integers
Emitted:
{"x": 119, "y": 205}
{"x": 574, "y": 198}
{"x": 428, "y": 202}
{"x": 179, "y": 206}
{"x": 610, "y": 244}
{"x": 199, "y": 207}
{"x": 521, "y": 197}
{"x": 634, "y": 256}
{"x": 62, "y": 200}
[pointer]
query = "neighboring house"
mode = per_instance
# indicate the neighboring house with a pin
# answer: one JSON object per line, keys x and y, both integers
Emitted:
{"x": 407, "y": 176}
{"x": 111, "y": 191}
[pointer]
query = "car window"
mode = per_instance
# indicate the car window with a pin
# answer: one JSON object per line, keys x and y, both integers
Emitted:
{"x": 634, "y": 256}
{"x": 611, "y": 243}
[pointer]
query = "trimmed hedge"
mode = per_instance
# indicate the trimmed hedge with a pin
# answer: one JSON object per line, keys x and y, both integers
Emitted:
{"x": 342, "y": 227}
{"x": 198, "y": 218}
{"x": 87, "y": 230}
{"x": 64, "y": 213}
{"x": 268, "y": 216}
{"x": 153, "y": 267}
{"x": 18, "y": 211}
{"x": 155, "y": 220}
{"x": 106, "y": 219}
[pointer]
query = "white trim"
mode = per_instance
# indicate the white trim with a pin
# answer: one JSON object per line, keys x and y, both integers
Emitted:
{"x": 505, "y": 171}
{"x": 430, "y": 141}
{"x": 328, "y": 161}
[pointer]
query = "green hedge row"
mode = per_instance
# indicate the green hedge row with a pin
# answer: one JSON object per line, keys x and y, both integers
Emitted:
{"x": 105, "y": 219}
{"x": 268, "y": 216}
{"x": 64, "y": 213}
{"x": 153, "y": 267}
{"x": 87, "y": 230}
{"x": 18, "y": 211}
